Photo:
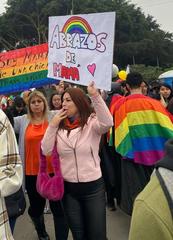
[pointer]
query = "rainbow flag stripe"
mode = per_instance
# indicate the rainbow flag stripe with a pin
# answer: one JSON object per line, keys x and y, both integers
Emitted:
{"x": 141, "y": 128}
{"x": 24, "y": 68}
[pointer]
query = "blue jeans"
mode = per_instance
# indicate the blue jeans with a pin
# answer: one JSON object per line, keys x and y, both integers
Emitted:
{"x": 84, "y": 204}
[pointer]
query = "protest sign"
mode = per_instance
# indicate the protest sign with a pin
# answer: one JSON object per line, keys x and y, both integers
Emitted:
{"x": 81, "y": 48}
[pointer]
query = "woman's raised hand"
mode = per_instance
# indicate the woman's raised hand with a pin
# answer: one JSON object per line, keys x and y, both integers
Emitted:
{"x": 92, "y": 90}
{"x": 58, "y": 118}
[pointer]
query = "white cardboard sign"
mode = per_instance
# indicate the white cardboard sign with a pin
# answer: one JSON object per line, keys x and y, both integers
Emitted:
{"x": 81, "y": 48}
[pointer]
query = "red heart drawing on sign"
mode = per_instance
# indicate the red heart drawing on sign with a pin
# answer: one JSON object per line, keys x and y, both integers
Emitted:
{"x": 91, "y": 68}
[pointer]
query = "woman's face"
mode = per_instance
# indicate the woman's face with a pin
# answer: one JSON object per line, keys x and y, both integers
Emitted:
{"x": 69, "y": 106}
{"x": 36, "y": 105}
{"x": 56, "y": 101}
{"x": 165, "y": 92}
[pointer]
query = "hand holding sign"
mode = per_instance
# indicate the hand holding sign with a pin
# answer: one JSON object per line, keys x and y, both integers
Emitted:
{"x": 92, "y": 90}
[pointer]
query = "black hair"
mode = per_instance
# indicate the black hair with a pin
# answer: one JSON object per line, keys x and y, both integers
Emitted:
{"x": 165, "y": 85}
{"x": 115, "y": 88}
{"x": 170, "y": 106}
{"x": 19, "y": 102}
{"x": 169, "y": 87}
{"x": 51, "y": 106}
{"x": 134, "y": 80}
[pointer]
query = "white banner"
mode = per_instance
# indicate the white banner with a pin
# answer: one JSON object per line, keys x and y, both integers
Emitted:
{"x": 81, "y": 48}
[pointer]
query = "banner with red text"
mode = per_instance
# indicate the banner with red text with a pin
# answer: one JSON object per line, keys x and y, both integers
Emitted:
{"x": 24, "y": 68}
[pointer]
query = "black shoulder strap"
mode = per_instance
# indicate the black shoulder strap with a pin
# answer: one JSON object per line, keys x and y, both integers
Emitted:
{"x": 165, "y": 190}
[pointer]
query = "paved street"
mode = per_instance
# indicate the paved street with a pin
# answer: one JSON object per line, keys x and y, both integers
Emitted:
{"x": 117, "y": 227}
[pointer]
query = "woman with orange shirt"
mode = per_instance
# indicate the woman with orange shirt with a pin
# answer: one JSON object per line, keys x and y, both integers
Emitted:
{"x": 31, "y": 128}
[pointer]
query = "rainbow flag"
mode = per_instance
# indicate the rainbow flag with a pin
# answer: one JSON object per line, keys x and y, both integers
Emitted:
{"x": 141, "y": 128}
{"x": 24, "y": 68}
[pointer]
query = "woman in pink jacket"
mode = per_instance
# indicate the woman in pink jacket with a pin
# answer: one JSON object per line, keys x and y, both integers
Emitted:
{"x": 77, "y": 130}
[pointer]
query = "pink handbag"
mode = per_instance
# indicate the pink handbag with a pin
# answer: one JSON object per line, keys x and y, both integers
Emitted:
{"x": 51, "y": 188}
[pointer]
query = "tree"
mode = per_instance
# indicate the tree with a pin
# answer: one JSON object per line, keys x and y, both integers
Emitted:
{"x": 138, "y": 39}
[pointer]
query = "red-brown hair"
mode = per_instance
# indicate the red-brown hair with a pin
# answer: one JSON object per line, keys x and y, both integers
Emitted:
{"x": 82, "y": 102}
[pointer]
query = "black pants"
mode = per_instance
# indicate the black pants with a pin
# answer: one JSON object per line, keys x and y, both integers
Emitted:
{"x": 84, "y": 205}
{"x": 134, "y": 178}
{"x": 37, "y": 205}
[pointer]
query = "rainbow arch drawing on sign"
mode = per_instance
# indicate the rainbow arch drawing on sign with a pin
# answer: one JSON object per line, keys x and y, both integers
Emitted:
{"x": 76, "y": 24}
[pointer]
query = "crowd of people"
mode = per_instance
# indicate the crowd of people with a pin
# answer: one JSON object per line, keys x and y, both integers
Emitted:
{"x": 111, "y": 147}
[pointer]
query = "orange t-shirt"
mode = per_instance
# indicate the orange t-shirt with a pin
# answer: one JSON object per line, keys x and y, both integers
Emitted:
{"x": 33, "y": 136}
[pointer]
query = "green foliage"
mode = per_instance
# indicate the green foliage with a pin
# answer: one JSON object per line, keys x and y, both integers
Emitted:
{"x": 149, "y": 73}
{"x": 138, "y": 39}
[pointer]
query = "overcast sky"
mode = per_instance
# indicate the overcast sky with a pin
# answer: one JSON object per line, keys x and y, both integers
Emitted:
{"x": 161, "y": 10}
{"x": 2, "y": 5}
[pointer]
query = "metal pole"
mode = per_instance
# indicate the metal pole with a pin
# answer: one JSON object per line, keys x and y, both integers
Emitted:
{"x": 158, "y": 61}
{"x": 72, "y": 8}
{"x": 133, "y": 60}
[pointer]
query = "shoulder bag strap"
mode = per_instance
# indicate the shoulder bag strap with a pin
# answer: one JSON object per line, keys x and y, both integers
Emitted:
{"x": 43, "y": 164}
{"x": 55, "y": 161}
{"x": 165, "y": 190}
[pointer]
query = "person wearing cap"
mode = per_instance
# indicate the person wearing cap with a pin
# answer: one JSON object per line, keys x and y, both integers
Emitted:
{"x": 152, "y": 216}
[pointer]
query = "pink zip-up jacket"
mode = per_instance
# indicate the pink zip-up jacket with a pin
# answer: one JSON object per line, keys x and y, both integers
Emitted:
{"x": 78, "y": 152}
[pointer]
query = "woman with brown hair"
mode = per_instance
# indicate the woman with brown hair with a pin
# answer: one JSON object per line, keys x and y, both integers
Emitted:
{"x": 31, "y": 128}
{"x": 77, "y": 131}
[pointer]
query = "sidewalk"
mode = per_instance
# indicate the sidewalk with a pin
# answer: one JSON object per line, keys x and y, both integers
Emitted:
{"x": 117, "y": 227}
